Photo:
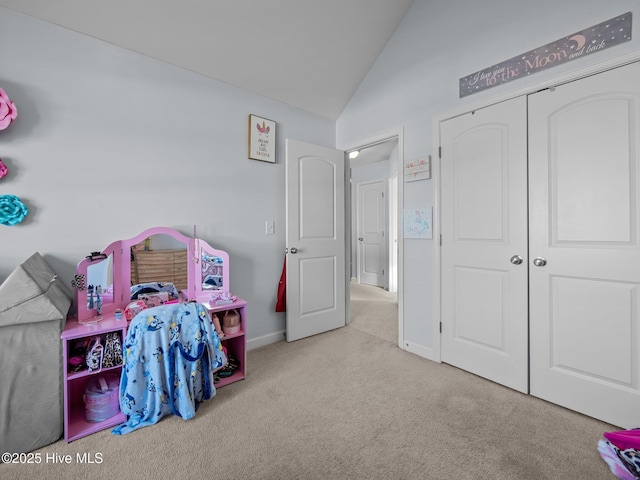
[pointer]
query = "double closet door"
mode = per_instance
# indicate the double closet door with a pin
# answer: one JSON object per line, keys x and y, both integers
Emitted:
{"x": 540, "y": 209}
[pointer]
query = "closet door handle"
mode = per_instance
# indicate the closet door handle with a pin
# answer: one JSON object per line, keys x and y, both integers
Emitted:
{"x": 539, "y": 262}
{"x": 516, "y": 259}
{"x": 293, "y": 250}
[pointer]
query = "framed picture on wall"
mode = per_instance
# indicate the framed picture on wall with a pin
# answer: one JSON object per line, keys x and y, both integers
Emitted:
{"x": 262, "y": 139}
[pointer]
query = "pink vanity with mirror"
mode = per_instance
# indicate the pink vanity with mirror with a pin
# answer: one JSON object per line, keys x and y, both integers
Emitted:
{"x": 157, "y": 265}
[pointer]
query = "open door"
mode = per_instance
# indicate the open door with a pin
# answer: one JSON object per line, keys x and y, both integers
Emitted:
{"x": 315, "y": 235}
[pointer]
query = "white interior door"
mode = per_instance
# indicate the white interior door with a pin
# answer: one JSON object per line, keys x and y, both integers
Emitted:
{"x": 584, "y": 204}
{"x": 484, "y": 243}
{"x": 370, "y": 222}
{"x": 315, "y": 235}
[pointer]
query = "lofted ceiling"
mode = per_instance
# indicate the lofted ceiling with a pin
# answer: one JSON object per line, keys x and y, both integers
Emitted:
{"x": 310, "y": 54}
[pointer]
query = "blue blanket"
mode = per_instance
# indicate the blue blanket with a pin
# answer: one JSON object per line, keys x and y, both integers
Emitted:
{"x": 170, "y": 355}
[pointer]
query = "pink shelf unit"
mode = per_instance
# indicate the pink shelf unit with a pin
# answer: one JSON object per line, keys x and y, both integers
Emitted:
{"x": 75, "y": 423}
{"x": 207, "y": 272}
{"x": 235, "y": 343}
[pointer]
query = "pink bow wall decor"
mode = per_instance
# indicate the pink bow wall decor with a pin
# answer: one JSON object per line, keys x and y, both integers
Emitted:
{"x": 8, "y": 110}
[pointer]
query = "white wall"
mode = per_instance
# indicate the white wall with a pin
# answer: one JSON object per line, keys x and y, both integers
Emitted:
{"x": 416, "y": 79}
{"x": 108, "y": 143}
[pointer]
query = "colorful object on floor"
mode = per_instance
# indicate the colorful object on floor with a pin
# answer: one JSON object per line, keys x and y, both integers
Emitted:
{"x": 621, "y": 451}
{"x": 8, "y": 110}
{"x": 3, "y": 169}
{"x": 12, "y": 210}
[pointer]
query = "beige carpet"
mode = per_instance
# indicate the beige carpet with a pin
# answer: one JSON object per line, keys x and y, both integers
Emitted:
{"x": 345, "y": 405}
{"x": 374, "y": 310}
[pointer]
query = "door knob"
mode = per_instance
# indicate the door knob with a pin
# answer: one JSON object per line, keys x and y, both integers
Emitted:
{"x": 516, "y": 259}
{"x": 360, "y": 238}
{"x": 293, "y": 250}
{"x": 539, "y": 262}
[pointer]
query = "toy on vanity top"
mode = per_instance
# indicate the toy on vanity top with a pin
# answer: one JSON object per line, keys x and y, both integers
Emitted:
{"x": 222, "y": 297}
{"x": 98, "y": 300}
{"x": 91, "y": 305}
{"x": 133, "y": 309}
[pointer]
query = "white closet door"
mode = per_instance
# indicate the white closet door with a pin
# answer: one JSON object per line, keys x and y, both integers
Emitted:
{"x": 584, "y": 140}
{"x": 484, "y": 237}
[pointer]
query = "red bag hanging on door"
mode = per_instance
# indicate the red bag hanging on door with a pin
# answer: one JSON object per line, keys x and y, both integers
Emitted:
{"x": 281, "y": 303}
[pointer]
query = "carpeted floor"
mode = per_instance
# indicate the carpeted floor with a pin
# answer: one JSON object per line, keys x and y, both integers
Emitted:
{"x": 374, "y": 310}
{"x": 344, "y": 405}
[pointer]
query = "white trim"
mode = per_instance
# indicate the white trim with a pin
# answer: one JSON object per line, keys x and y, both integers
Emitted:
{"x": 399, "y": 133}
{"x": 424, "y": 352}
{"x": 437, "y": 292}
{"x": 266, "y": 340}
{"x": 392, "y": 228}
{"x": 438, "y": 119}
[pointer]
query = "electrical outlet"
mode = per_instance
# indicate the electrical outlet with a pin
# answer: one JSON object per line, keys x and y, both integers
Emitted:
{"x": 270, "y": 227}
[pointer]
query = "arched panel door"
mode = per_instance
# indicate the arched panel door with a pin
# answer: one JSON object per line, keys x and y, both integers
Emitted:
{"x": 316, "y": 242}
{"x": 584, "y": 168}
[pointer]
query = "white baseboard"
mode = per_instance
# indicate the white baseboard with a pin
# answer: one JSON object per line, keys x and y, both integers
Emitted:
{"x": 265, "y": 340}
{"x": 421, "y": 351}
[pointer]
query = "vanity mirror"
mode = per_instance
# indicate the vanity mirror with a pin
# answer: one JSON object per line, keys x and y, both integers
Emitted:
{"x": 100, "y": 279}
{"x": 96, "y": 284}
{"x": 136, "y": 265}
{"x": 160, "y": 258}
{"x": 212, "y": 271}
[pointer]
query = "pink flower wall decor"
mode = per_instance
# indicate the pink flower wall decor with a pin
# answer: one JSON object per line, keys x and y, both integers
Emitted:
{"x": 8, "y": 110}
{"x": 3, "y": 169}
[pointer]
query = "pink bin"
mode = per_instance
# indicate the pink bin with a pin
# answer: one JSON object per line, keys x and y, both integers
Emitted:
{"x": 101, "y": 398}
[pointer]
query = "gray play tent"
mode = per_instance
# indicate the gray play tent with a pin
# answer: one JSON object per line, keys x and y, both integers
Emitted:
{"x": 33, "y": 310}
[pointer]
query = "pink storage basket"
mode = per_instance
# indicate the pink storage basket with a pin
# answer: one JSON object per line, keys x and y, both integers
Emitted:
{"x": 231, "y": 322}
{"x": 101, "y": 397}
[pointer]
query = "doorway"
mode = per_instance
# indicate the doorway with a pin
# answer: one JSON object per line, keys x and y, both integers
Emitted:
{"x": 373, "y": 299}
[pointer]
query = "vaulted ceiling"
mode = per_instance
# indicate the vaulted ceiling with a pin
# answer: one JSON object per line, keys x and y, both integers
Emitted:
{"x": 311, "y": 54}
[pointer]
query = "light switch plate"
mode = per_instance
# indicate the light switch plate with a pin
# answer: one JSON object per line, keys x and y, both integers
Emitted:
{"x": 270, "y": 227}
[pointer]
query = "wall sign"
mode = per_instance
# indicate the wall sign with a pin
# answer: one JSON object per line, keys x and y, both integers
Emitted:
{"x": 417, "y": 169}
{"x": 262, "y": 139}
{"x": 418, "y": 222}
{"x": 591, "y": 40}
